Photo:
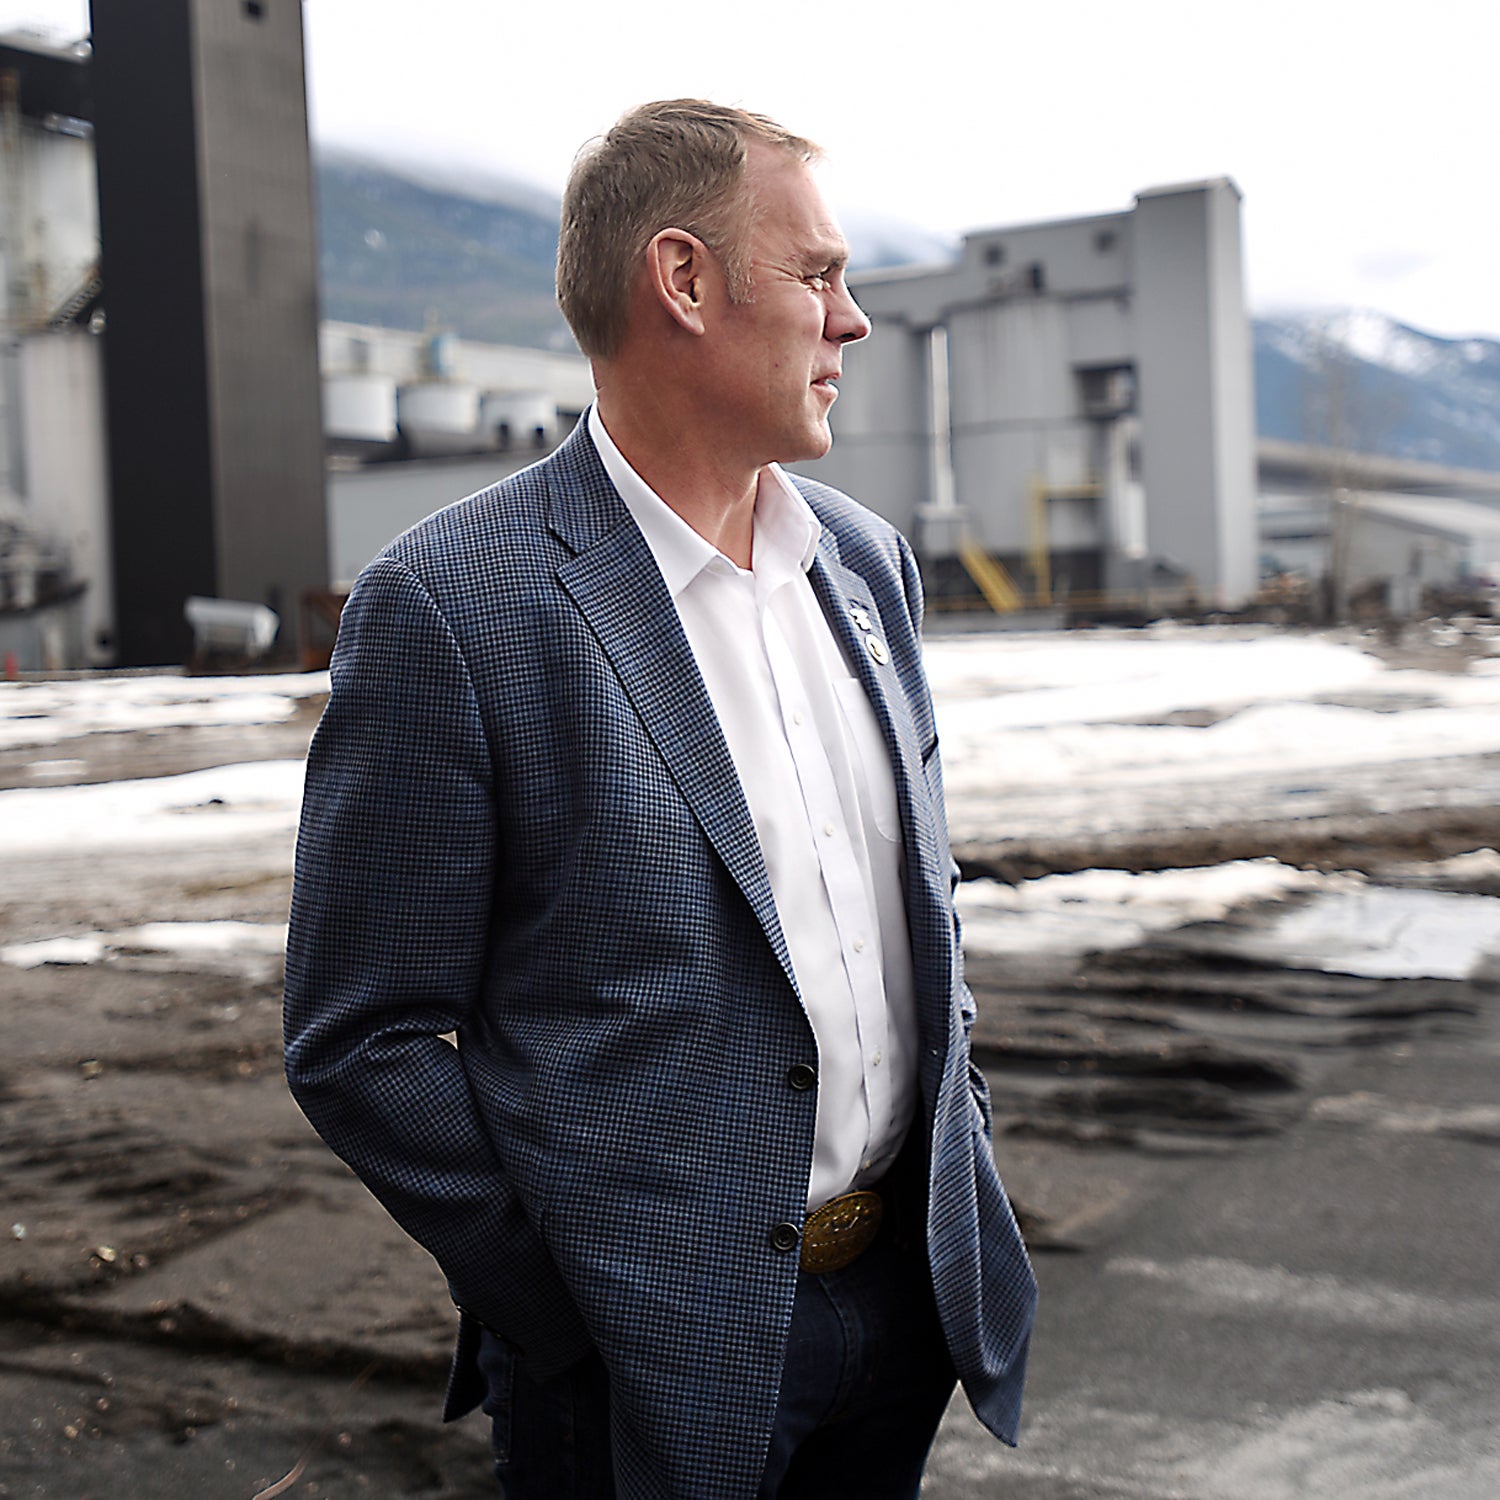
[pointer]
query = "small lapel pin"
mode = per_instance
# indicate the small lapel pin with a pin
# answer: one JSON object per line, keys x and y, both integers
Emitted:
{"x": 861, "y": 617}
{"x": 877, "y": 649}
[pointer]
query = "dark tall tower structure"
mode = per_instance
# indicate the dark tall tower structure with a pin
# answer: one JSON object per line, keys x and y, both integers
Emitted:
{"x": 210, "y": 285}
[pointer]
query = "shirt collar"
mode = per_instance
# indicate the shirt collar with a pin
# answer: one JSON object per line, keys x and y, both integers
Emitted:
{"x": 786, "y": 531}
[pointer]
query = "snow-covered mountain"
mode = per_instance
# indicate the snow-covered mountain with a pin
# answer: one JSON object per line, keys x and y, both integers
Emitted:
{"x": 1362, "y": 380}
{"x": 405, "y": 245}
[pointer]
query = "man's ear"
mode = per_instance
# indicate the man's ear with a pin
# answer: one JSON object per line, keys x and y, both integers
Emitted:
{"x": 676, "y": 265}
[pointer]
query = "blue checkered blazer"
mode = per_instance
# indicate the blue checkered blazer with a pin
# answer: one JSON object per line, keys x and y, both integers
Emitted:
{"x": 522, "y": 825}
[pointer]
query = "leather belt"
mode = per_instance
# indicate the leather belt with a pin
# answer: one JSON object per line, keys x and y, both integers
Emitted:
{"x": 838, "y": 1233}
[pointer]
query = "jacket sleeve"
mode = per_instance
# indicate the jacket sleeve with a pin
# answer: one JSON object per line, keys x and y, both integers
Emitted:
{"x": 391, "y": 912}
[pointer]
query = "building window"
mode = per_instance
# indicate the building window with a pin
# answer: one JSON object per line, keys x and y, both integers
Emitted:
{"x": 1036, "y": 276}
{"x": 1104, "y": 241}
{"x": 994, "y": 255}
{"x": 1106, "y": 390}
{"x": 255, "y": 9}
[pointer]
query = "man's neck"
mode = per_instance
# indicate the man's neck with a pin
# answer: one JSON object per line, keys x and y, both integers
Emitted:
{"x": 688, "y": 469}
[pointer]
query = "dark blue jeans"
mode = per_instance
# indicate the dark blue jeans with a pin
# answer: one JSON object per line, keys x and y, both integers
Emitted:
{"x": 866, "y": 1380}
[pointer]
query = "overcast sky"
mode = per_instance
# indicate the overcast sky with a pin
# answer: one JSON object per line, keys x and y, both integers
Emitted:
{"x": 1363, "y": 135}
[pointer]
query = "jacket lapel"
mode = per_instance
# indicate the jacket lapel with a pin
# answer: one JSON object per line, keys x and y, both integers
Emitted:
{"x": 840, "y": 592}
{"x": 615, "y": 583}
{"x": 926, "y": 860}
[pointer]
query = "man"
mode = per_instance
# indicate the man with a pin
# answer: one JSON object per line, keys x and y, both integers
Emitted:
{"x": 629, "y": 778}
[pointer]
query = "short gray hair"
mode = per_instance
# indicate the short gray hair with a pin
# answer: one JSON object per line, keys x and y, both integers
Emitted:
{"x": 675, "y": 164}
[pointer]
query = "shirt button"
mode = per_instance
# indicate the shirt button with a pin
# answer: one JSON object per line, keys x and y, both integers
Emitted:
{"x": 875, "y": 1061}
{"x": 797, "y": 716}
{"x": 801, "y": 1076}
{"x": 859, "y": 945}
{"x": 784, "y": 1237}
{"x": 828, "y": 830}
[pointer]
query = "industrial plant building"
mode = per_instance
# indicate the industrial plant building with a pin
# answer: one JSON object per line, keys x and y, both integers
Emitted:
{"x": 180, "y": 453}
{"x": 413, "y": 421}
{"x": 1071, "y": 401}
{"x": 174, "y": 421}
{"x": 54, "y": 535}
{"x": 1382, "y": 533}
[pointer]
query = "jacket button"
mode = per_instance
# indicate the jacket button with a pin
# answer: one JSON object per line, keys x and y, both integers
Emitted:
{"x": 784, "y": 1237}
{"x": 801, "y": 1076}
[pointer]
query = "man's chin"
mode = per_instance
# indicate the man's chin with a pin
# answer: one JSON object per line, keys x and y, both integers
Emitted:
{"x": 814, "y": 444}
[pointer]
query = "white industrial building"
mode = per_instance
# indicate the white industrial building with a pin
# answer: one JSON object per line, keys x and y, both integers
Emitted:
{"x": 1375, "y": 528}
{"x": 414, "y": 421}
{"x": 1072, "y": 401}
{"x": 389, "y": 393}
{"x": 54, "y": 538}
{"x": 473, "y": 411}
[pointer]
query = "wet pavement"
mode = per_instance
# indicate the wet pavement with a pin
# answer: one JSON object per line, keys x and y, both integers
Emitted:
{"x": 1277, "y": 1276}
{"x": 1311, "y": 1314}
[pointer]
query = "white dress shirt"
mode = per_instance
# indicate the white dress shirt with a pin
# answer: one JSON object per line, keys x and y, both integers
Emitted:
{"x": 817, "y": 778}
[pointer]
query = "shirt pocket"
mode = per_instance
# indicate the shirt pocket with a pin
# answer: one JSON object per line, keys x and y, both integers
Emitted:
{"x": 874, "y": 777}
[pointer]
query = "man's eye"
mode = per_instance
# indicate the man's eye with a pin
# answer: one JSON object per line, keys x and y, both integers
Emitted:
{"x": 820, "y": 280}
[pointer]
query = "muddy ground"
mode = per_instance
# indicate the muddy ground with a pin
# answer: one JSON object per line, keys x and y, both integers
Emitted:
{"x": 196, "y": 1297}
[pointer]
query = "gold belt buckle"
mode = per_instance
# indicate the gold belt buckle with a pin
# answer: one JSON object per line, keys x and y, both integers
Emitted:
{"x": 838, "y": 1233}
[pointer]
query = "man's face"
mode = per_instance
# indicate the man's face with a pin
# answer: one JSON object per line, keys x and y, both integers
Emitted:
{"x": 781, "y": 352}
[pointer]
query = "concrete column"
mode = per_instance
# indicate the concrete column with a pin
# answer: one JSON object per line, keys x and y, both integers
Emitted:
{"x": 1196, "y": 392}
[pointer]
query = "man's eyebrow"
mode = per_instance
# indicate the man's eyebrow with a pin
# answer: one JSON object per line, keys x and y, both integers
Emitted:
{"x": 827, "y": 255}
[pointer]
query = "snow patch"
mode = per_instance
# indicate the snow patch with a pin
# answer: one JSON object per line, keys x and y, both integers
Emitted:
{"x": 1377, "y": 339}
{"x": 1477, "y": 864}
{"x": 1379, "y": 933}
{"x": 42, "y": 713}
{"x": 184, "y": 939}
{"x": 1045, "y": 679}
{"x": 1050, "y": 712}
{"x": 59, "y": 950}
{"x": 253, "y": 800}
{"x": 1071, "y": 732}
{"x": 1095, "y": 911}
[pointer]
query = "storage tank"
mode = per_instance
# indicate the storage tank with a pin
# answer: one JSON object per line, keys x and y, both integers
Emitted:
{"x": 438, "y": 416}
{"x": 359, "y": 413}
{"x": 519, "y": 419}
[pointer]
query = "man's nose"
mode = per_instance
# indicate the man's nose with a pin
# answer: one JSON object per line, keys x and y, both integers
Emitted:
{"x": 846, "y": 319}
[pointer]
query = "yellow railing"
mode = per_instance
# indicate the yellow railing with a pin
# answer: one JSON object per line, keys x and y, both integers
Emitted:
{"x": 990, "y": 577}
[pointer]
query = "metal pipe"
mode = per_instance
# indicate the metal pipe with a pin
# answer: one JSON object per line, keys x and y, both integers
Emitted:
{"x": 940, "y": 422}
